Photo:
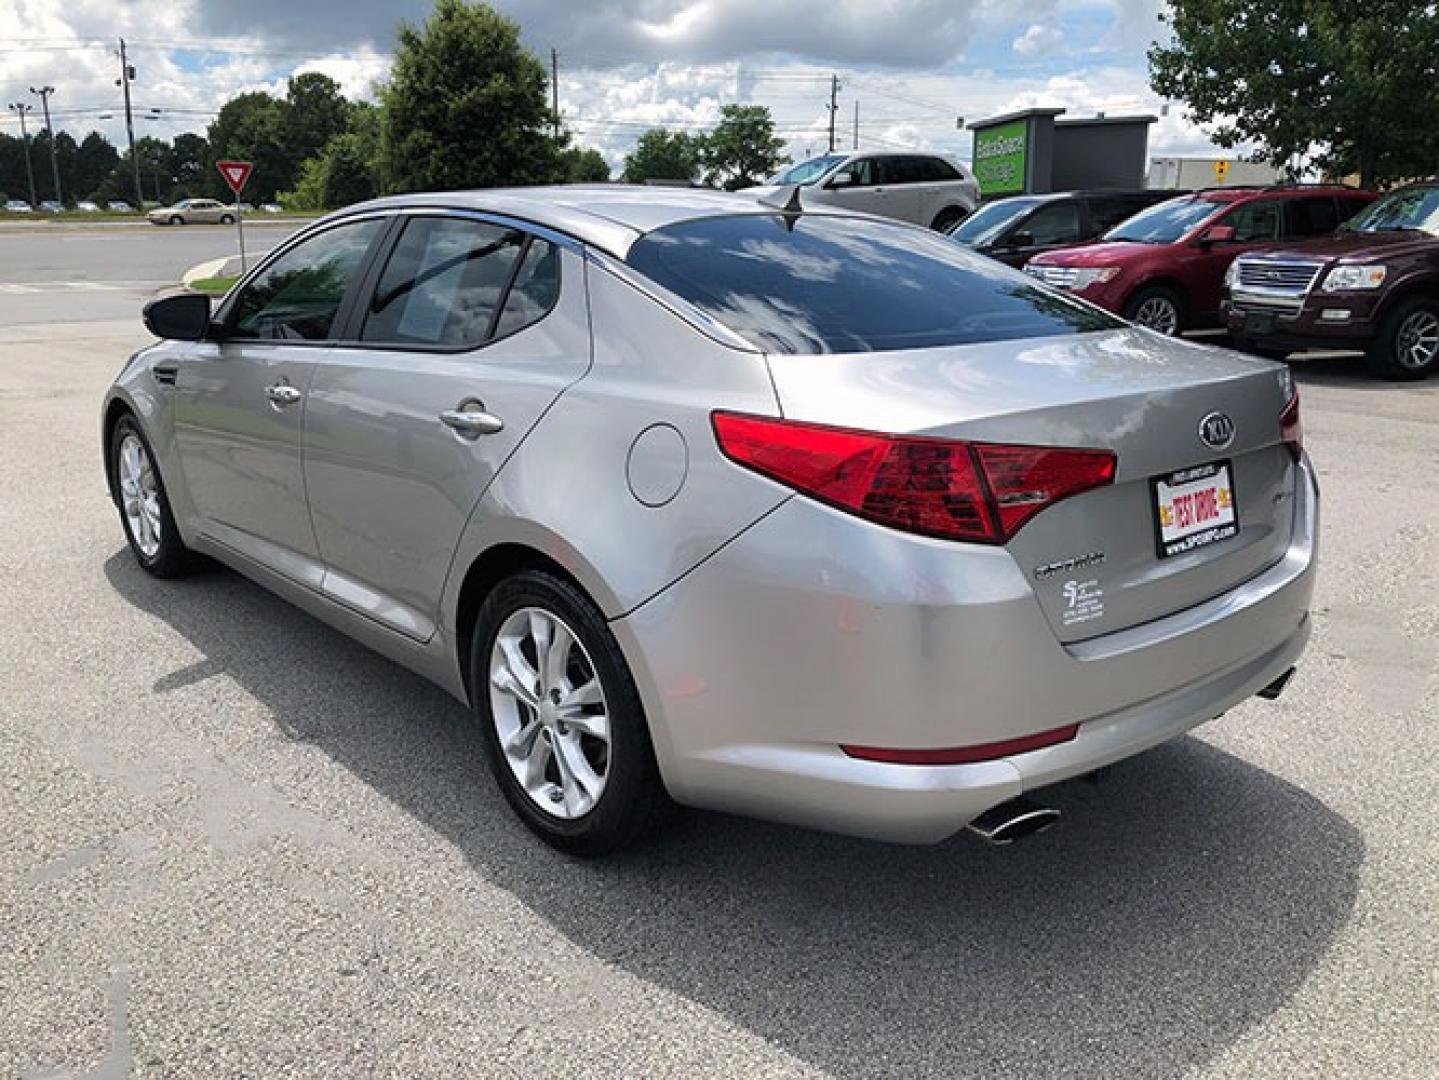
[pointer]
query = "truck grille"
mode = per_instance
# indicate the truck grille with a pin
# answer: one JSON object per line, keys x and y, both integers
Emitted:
{"x": 1262, "y": 283}
{"x": 1061, "y": 277}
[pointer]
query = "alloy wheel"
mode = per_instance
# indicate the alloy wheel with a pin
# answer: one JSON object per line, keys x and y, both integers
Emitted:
{"x": 550, "y": 713}
{"x": 140, "y": 495}
{"x": 1417, "y": 342}
{"x": 1158, "y": 313}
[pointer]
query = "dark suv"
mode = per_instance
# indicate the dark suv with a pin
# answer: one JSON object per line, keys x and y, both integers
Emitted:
{"x": 1164, "y": 267}
{"x": 1372, "y": 286}
{"x": 1015, "y": 229}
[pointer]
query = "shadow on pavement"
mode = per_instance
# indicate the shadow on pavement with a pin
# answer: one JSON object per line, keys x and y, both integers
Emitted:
{"x": 1180, "y": 903}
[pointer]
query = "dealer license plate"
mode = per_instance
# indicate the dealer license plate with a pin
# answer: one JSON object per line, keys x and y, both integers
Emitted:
{"x": 1194, "y": 508}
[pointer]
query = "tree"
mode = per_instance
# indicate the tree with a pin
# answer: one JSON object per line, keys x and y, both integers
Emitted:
{"x": 1349, "y": 85}
{"x": 251, "y": 127}
{"x": 584, "y": 166}
{"x": 742, "y": 149}
{"x": 95, "y": 159}
{"x": 664, "y": 155}
{"x": 315, "y": 112}
{"x": 465, "y": 105}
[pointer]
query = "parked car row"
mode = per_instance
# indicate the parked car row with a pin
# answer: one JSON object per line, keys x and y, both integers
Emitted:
{"x": 183, "y": 212}
{"x": 1282, "y": 268}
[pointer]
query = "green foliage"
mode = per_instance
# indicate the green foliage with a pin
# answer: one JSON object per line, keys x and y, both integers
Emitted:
{"x": 315, "y": 112}
{"x": 743, "y": 149}
{"x": 584, "y": 166}
{"x": 251, "y": 127}
{"x": 664, "y": 155}
{"x": 465, "y": 105}
{"x": 1354, "y": 80}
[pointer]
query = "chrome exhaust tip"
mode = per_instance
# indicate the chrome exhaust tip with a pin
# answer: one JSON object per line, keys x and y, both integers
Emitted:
{"x": 1274, "y": 689}
{"x": 1011, "y": 821}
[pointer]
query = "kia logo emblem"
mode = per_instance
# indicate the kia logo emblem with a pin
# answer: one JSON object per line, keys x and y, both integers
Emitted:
{"x": 1217, "y": 431}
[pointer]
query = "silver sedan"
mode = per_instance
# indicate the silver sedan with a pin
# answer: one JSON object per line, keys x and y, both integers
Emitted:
{"x": 698, "y": 499}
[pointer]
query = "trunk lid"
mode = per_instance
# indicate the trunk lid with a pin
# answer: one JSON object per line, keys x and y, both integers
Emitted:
{"x": 1093, "y": 559}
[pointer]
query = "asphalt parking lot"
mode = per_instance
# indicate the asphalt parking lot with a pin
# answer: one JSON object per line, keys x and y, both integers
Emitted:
{"x": 232, "y": 842}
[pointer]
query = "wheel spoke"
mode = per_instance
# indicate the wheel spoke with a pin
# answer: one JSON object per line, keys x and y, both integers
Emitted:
{"x": 557, "y": 659}
{"x": 588, "y": 693}
{"x": 519, "y": 744}
{"x": 514, "y": 675}
{"x": 536, "y": 763}
{"x": 595, "y": 725}
{"x": 578, "y": 778}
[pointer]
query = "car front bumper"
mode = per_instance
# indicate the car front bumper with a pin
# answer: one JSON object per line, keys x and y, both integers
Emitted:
{"x": 1339, "y": 321}
{"x": 795, "y": 640}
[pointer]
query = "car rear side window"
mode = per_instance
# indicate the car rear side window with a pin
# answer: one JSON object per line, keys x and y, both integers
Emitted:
{"x": 820, "y": 284}
{"x": 536, "y": 288}
{"x": 443, "y": 283}
{"x": 1313, "y": 216}
{"x": 297, "y": 297}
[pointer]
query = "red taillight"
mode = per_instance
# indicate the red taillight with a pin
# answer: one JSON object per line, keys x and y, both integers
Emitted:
{"x": 1291, "y": 429}
{"x": 963, "y": 755}
{"x": 980, "y": 492}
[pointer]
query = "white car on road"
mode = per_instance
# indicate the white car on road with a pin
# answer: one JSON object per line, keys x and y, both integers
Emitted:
{"x": 927, "y": 189}
{"x": 193, "y": 211}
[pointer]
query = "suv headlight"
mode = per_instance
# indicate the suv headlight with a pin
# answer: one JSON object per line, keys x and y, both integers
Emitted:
{"x": 1351, "y": 278}
{"x": 1231, "y": 274}
{"x": 1085, "y": 276}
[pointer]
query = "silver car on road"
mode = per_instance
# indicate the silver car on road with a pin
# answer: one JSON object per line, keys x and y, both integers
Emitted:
{"x": 692, "y": 498}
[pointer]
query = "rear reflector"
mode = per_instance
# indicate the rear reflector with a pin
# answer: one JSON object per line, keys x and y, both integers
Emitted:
{"x": 1291, "y": 429}
{"x": 979, "y": 492}
{"x": 963, "y": 755}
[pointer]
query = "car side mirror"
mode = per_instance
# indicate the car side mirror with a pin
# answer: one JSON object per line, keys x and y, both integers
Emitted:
{"x": 843, "y": 179}
{"x": 180, "y": 317}
{"x": 1020, "y": 240}
{"x": 1218, "y": 234}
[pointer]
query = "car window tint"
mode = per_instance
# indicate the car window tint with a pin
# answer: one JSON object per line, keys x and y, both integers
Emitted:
{"x": 1349, "y": 205}
{"x": 939, "y": 169}
{"x": 1106, "y": 212}
{"x": 443, "y": 283}
{"x": 297, "y": 297}
{"x": 819, "y": 284}
{"x": 1311, "y": 217}
{"x": 905, "y": 170}
{"x": 1057, "y": 223}
{"x": 1254, "y": 221}
{"x": 536, "y": 288}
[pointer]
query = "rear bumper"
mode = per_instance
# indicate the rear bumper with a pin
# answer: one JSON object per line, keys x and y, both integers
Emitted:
{"x": 808, "y": 632}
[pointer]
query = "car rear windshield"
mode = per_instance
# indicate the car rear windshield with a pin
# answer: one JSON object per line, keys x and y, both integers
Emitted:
{"x": 822, "y": 284}
{"x": 1165, "y": 223}
{"x": 983, "y": 227}
{"x": 1413, "y": 209}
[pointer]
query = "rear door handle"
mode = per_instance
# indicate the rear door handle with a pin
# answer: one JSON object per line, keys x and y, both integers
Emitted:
{"x": 471, "y": 421}
{"x": 282, "y": 393}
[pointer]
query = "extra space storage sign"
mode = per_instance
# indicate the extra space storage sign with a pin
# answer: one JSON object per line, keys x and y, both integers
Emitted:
{"x": 999, "y": 157}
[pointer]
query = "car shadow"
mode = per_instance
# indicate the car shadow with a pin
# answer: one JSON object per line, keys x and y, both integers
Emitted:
{"x": 1347, "y": 371}
{"x": 1183, "y": 900}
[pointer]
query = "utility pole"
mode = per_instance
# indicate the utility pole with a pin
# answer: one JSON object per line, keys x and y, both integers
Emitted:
{"x": 21, "y": 108}
{"x": 127, "y": 76}
{"x": 555, "y": 90}
{"x": 856, "y": 124}
{"x": 833, "y": 107}
{"x": 43, "y": 93}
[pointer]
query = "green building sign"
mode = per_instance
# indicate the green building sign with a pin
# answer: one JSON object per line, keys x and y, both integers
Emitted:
{"x": 1000, "y": 155}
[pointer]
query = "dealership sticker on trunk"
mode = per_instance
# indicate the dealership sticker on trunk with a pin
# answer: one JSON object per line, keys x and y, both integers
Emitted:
{"x": 1194, "y": 508}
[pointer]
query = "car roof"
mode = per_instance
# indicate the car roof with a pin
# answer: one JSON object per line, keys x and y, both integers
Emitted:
{"x": 610, "y": 217}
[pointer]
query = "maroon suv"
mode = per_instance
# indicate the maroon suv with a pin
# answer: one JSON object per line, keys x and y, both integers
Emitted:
{"x": 1372, "y": 286}
{"x": 1164, "y": 267}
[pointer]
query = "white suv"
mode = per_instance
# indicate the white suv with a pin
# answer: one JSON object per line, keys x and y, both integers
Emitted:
{"x": 927, "y": 189}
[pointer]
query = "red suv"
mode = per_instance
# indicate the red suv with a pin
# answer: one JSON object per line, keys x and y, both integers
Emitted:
{"x": 1164, "y": 267}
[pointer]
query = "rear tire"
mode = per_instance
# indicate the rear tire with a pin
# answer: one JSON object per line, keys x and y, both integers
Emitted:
{"x": 948, "y": 218}
{"x": 1407, "y": 345}
{"x": 176, "y": 219}
{"x": 565, "y": 731}
{"x": 144, "y": 505}
{"x": 1158, "y": 308}
{"x": 227, "y": 219}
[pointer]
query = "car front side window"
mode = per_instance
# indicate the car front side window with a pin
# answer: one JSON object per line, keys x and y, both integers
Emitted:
{"x": 1254, "y": 222}
{"x": 298, "y": 296}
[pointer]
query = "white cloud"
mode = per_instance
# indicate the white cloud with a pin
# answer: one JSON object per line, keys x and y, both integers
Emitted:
{"x": 1038, "y": 40}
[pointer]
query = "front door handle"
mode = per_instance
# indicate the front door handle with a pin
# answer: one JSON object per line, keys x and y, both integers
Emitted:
{"x": 282, "y": 393}
{"x": 471, "y": 421}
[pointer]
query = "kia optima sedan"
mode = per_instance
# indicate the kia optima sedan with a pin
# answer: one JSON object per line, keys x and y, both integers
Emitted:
{"x": 696, "y": 499}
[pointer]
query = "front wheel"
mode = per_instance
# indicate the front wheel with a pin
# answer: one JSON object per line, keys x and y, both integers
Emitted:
{"x": 227, "y": 219}
{"x": 176, "y": 219}
{"x": 144, "y": 506}
{"x": 1156, "y": 308}
{"x": 1407, "y": 345}
{"x": 561, "y": 718}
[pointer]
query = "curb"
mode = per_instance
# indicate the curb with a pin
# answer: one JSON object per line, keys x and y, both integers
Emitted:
{"x": 220, "y": 267}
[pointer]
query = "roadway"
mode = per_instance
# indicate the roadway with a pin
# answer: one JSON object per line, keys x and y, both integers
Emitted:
{"x": 233, "y": 842}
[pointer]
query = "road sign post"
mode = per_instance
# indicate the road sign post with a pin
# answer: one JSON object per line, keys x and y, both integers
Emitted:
{"x": 236, "y": 174}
